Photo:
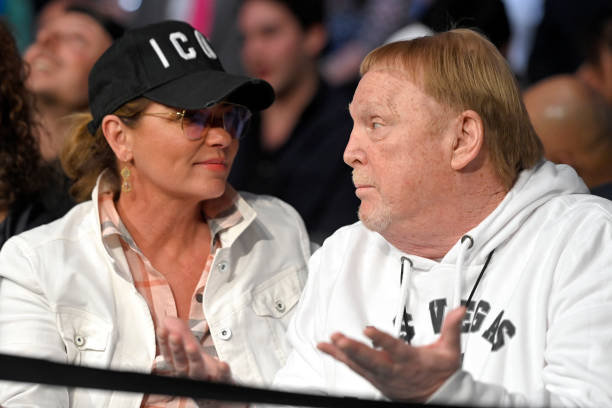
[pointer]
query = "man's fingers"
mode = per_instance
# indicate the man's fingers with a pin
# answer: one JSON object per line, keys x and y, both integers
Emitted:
{"x": 376, "y": 362}
{"x": 339, "y": 355}
{"x": 396, "y": 347}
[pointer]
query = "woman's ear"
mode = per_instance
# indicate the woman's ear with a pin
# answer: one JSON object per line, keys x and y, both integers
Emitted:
{"x": 468, "y": 139}
{"x": 118, "y": 139}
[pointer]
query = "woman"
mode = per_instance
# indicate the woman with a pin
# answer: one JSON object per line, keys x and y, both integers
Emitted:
{"x": 163, "y": 235}
{"x": 24, "y": 201}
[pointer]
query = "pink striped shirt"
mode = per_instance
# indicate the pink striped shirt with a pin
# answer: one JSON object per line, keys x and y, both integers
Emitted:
{"x": 220, "y": 214}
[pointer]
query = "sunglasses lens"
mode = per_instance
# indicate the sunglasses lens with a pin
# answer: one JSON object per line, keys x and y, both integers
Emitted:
{"x": 194, "y": 123}
{"x": 235, "y": 119}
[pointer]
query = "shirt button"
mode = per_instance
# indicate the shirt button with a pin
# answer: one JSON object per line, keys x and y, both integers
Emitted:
{"x": 225, "y": 334}
{"x": 279, "y": 305}
{"x": 79, "y": 340}
{"x": 222, "y": 267}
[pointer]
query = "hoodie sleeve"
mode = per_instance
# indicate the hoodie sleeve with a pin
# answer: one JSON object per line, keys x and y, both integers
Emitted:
{"x": 577, "y": 366}
{"x": 462, "y": 390}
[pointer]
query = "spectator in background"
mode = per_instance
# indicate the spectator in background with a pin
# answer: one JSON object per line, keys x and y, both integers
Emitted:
{"x": 558, "y": 44}
{"x": 67, "y": 44}
{"x": 596, "y": 70}
{"x": 355, "y": 28}
{"x": 24, "y": 202}
{"x": 574, "y": 123}
{"x": 487, "y": 16}
{"x": 294, "y": 148}
{"x": 216, "y": 19}
{"x": 524, "y": 17}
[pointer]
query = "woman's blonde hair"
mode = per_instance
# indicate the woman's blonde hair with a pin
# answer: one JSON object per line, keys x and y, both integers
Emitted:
{"x": 85, "y": 156}
{"x": 463, "y": 70}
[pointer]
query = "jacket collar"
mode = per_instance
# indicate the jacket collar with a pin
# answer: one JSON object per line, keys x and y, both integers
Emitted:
{"x": 217, "y": 211}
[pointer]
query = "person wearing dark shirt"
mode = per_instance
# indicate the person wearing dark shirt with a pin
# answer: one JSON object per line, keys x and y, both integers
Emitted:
{"x": 294, "y": 148}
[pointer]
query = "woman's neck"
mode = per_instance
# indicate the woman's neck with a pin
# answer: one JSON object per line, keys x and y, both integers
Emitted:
{"x": 171, "y": 227}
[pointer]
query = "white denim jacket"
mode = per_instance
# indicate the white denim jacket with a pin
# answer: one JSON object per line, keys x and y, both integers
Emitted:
{"x": 63, "y": 298}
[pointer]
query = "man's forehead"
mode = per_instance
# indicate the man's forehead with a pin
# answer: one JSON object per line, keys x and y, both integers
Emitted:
{"x": 381, "y": 87}
{"x": 377, "y": 103}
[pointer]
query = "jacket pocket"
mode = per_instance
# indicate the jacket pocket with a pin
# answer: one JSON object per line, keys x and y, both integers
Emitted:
{"x": 278, "y": 295}
{"x": 85, "y": 336}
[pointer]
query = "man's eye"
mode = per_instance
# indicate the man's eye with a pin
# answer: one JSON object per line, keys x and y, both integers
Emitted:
{"x": 376, "y": 125}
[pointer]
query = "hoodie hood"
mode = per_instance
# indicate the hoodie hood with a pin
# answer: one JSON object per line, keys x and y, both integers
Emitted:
{"x": 534, "y": 187}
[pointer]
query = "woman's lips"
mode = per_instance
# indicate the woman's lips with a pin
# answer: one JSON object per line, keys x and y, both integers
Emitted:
{"x": 213, "y": 164}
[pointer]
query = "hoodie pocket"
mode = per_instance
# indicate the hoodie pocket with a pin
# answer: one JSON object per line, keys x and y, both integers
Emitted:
{"x": 85, "y": 336}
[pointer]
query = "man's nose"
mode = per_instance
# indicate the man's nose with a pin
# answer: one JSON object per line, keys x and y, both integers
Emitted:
{"x": 354, "y": 153}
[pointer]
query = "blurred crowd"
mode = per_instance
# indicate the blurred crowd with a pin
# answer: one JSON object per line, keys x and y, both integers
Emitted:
{"x": 559, "y": 50}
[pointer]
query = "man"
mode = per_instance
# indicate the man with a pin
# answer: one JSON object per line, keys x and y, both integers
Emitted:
{"x": 66, "y": 47}
{"x": 457, "y": 208}
{"x": 574, "y": 123}
{"x": 294, "y": 148}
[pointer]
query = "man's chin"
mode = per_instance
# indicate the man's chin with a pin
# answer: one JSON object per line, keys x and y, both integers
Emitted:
{"x": 377, "y": 220}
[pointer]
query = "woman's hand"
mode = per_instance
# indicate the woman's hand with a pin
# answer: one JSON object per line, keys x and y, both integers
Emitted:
{"x": 185, "y": 356}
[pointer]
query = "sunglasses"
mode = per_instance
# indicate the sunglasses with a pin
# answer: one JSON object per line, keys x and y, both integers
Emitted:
{"x": 195, "y": 123}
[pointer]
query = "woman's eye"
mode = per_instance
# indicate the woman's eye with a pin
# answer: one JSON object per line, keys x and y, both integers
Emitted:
{"x": 189, "y": 115}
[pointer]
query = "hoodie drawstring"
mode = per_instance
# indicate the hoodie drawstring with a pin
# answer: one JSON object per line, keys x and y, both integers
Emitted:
{"x": 406, "y": 276}
{"x": 405, "y": 287}
{"x": 466, "y": 243}
{"x": 464, "y": 246}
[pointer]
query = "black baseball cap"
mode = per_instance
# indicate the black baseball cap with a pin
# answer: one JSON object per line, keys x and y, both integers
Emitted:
{"x": 170, "y": 63}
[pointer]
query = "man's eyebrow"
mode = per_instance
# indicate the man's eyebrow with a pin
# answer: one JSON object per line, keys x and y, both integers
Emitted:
{"x": 387, "y": 105}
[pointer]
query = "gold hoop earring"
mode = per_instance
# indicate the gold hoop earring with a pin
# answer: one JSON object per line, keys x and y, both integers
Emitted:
{"x": 126, "y": 187}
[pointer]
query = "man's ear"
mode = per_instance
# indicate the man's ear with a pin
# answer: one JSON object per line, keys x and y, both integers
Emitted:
{"x": 315, "y": 40}
{"x": 118, "y": 139}
{"x": 468, "y": 139}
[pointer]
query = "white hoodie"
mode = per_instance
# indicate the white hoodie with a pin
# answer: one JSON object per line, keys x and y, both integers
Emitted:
{"x": 541, "y": 315}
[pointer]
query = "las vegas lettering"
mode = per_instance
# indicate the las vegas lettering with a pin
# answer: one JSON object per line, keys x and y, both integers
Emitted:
{"x": 496, "y": 333}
